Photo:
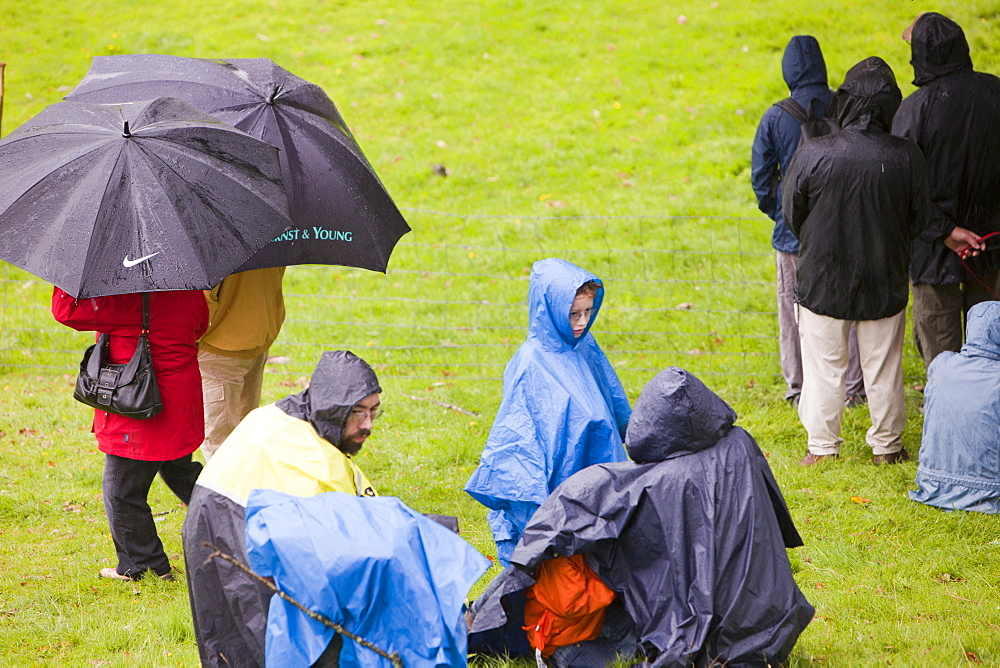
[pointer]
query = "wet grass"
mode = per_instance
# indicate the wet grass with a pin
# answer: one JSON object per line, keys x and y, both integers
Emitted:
{"x": 540, "y": 112}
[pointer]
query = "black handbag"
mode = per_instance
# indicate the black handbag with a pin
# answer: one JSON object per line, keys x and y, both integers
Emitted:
{"x": 128, "y": 389}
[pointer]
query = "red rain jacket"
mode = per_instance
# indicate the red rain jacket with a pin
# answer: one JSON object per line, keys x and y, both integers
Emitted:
{"x": 176, "y": 320}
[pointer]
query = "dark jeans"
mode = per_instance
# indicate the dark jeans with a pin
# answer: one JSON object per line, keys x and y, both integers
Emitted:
{"x": 126, "y": 485}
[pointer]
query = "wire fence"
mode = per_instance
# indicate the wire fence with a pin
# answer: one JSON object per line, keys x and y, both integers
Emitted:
{"x": 695, "y": 291}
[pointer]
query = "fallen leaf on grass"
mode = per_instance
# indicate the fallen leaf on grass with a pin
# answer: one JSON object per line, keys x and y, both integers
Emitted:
{"x": 860, "y": 499}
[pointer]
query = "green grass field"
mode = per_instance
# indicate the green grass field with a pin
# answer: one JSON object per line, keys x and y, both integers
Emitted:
{"x": 614, "y": 134}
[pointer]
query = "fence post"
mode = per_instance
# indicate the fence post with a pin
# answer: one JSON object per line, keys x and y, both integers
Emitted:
{"x": 2, "y": 65}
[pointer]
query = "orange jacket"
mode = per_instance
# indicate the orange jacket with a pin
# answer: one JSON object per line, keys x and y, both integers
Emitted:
{"x": 565, "y": 605}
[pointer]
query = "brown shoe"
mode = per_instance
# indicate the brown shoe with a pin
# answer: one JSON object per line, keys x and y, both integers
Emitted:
{"x": 891, "y": 458}
{"x": 811, "y": 459}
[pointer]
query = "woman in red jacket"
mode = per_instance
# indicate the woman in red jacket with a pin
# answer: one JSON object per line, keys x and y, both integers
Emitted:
{"x": 136, "y": 450}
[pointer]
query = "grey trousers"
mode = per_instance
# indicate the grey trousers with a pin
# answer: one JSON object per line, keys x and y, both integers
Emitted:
{"x": 787, "y": 264}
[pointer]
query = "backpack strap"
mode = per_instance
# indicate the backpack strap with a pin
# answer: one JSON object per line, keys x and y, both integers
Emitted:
{"x": 793, "y": 108}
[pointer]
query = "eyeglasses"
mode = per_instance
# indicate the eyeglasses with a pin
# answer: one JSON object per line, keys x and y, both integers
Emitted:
{"x": 576, "y": 315}
{"x": 359, "y": 414}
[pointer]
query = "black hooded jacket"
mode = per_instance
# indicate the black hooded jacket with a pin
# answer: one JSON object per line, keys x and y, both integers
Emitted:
{"x": 855, "y": 201}
{"x": 954, "y": 118}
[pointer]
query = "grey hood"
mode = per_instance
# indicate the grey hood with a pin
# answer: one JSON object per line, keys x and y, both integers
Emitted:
{"x": 676, "y": 414}
{"x": 340, "y": 381}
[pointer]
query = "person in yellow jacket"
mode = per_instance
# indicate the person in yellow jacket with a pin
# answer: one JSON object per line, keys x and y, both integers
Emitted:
{"x": 300, "y": 445}
{"x": 245, "y": 314}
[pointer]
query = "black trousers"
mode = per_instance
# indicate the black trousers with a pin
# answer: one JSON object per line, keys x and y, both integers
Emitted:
{"x": 126, "y": 485}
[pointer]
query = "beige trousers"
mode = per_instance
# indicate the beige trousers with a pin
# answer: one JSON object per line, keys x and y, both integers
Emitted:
{"x": 231, "y": 388}
{"x": 790, "y": 354}
{"x": 824, "y": 367}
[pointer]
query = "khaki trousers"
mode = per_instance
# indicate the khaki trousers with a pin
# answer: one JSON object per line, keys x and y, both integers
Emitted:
{"x": 231, "y": 388}
{"x": 787, "y": 265}
{"x": 824, "y": 367}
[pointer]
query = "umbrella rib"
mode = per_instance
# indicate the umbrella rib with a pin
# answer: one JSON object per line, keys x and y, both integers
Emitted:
{"x": 156, "y": 155}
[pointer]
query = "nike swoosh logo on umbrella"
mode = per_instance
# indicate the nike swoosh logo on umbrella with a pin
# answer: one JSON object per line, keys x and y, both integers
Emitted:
{"x": 131, "y": 263}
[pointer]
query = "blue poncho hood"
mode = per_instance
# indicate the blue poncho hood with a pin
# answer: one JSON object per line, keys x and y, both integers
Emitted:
{"x": 563, "y": 406}
{"x": 802, "y": 64}
{"x": 982, "y": 331}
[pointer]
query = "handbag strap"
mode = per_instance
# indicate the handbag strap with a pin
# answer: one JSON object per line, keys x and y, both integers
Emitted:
{"x": 145, "y": 314}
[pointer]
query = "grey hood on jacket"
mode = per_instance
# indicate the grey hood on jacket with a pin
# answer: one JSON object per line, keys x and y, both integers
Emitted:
{"x": 340, "y": 381}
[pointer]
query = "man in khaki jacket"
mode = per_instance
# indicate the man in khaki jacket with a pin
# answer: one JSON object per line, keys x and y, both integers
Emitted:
{"x": 246, "y": 312}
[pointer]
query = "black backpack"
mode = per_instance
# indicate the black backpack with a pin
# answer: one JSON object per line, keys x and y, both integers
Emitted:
{"x": 810, "y": 124}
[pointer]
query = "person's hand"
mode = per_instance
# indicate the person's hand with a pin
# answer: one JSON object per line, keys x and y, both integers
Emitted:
{"x": 964, "y": 242}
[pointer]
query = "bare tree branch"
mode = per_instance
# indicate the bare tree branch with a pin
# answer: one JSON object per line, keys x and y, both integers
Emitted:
{"x": 216, "y": 552}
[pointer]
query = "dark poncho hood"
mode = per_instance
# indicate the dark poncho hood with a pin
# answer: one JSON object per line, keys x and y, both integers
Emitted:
{"x": 802, "y": 64}
{"x": 676, "y": 414}
{"x": 938, "y": 47}
{"x": 869, "y": 96}
{"x": 340, "y": 381}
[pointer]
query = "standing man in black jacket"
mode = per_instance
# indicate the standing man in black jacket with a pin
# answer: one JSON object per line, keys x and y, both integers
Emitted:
{"x": 954, "y": 117}
{"x": 855, "y": 201}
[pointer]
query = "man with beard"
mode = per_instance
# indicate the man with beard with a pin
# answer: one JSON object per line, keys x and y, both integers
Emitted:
{"x": 954, "y": 117}
{"x": 300, "y": 445}
{"x": 855, "y": 201}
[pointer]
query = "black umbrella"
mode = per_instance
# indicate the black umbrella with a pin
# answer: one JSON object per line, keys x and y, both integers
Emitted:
{"x": 342, "y": 211}
{"x": 140, "y": 197}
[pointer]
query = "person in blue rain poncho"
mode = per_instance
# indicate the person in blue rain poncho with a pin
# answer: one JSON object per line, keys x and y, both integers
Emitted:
{"x": 563, "y": 407}
{"x": 960, "y": 452}
{"x": 385, "y": 572}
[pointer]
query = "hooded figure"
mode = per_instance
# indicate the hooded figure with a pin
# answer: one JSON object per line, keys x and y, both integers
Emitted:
{"x": 954, "y": 117}
{"x": 299, "y": 446}
{"x": 563, "y": 407}
{"x": 778, "y": 133}
{"x": 959, "y": 454}
{"x": 855, "y": 200}
{"x": 691, "y": 535}
{"x": 777, "y": 138}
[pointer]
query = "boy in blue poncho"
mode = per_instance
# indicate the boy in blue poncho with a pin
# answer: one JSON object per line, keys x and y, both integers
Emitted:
{"x": 960, "y": 453}
{"x": 563, "y": 406}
